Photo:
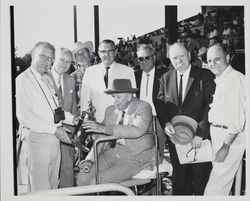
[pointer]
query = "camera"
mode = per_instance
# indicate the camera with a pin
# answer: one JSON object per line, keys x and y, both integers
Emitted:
{"x": 58, "y": 115}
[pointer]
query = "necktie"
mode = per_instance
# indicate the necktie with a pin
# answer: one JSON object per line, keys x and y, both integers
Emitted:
{"x": 147, "y": 84}
{"x": 180, "y": 92}
{"x": 60, "y": 93}
{"x": 113, "y": 142}
{"x": 106, "y": 77}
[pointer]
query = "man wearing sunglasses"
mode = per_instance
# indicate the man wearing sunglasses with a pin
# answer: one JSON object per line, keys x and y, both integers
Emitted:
{"x": 186, "y": 90}
{"x": 147, "y": 81}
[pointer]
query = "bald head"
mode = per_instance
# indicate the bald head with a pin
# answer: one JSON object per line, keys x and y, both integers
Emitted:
{"x": 179, "y": 56}
{"x": 217, "y": 59}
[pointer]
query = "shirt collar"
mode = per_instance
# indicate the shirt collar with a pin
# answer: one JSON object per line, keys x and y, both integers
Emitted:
{"x": 152, "y": 72}
{"x": 224, "y": 74}
{"x": 186, "y": 72}
{"x": 37, "y": 75}
{"x": 55, "y": 74}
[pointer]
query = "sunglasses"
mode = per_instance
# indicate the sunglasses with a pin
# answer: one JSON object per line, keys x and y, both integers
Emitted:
{"x": 143, "y": 58}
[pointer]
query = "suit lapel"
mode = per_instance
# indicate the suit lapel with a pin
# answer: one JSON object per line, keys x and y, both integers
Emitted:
{"x": 60, "y": 96}
{"x": 190, "y": 81}
{"x": 173, "y": 86}
{"x": 138, "y": 76}
{"x": 156, "y": 84}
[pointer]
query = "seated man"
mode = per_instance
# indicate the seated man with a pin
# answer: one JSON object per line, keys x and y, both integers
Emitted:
{"x": 128, "y": 120}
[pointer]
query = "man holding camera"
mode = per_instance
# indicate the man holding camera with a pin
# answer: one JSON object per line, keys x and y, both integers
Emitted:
{"x": 40, "y": 117}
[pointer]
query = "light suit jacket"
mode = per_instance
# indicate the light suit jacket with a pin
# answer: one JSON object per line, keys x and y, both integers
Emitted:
{"x": 33, "y": 111}
{"x": 140, "y": 121}
{"x": 93, "y": 86}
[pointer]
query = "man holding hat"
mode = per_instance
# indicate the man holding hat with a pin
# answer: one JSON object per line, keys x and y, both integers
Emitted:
{"x": 128, "y": 120}
{"x": 186, "y": 90}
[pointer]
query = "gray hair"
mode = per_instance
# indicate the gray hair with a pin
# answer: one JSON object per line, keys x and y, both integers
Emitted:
{"x": 45, "y": 45}
{"x": 144, "y": 47}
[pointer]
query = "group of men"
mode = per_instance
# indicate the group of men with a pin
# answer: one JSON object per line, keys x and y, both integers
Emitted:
{"x": 127, "y": 104}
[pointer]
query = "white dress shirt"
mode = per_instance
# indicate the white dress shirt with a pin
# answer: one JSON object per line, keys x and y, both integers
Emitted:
{"x": 56, "y": 78}
{"x": 184, "y": 80}
{"x": 148, "y": 97}
{"x": 93, "y": 86}
{"x": 229, "y": 102}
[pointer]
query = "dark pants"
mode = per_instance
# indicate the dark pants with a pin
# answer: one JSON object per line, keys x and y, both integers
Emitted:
{"x": 188, "y": 179}
{"x": 66, "y": 175}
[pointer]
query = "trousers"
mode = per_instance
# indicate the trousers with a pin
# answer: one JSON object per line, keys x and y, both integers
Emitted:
{"x": 43, "y": 160}
{"x": 222, "y": 175}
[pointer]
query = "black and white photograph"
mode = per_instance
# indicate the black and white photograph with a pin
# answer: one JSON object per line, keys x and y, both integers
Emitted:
{"x": 101, "y": 99}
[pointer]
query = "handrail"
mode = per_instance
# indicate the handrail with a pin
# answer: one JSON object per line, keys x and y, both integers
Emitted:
{"x": 85, "y": 190}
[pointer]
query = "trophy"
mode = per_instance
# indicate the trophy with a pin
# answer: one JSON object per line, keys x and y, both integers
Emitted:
{"x": 84, "y": 141}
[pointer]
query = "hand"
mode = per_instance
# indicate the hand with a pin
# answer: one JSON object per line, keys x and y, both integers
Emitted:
{"x": 169, "y": 129}
{"x": 221, "y": 155}
{"x": 76, "y": 120}
{"x": 93, "y": 126}
{"x": 196, "y": 142}
{"x": 86, "y": 165}
{"x": 61, "y": 134}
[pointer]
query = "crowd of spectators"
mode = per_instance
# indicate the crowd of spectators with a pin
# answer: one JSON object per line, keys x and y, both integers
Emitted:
{"x": 219, "y": 24}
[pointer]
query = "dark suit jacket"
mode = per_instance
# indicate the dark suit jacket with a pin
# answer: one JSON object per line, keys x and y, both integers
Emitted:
{"x": 199, "y": 94}
{"x": 158, "y": 75}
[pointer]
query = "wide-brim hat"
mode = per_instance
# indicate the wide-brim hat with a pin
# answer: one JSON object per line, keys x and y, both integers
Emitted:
{"x": 121, "y": 86}
{"x": 185, "y": 128}
{"x": 79, "y": 45}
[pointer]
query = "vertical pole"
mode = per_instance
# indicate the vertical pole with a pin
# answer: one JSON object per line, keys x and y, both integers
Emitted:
{"x": 171, "y": 24}
{"x": 13, "y": 75}
{"x": 96, "y": 27}
{"x": 75, "y": 23}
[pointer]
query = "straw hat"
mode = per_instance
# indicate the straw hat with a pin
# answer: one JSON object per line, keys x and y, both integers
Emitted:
{"x": 79, "y": 45}
{"x": 185, "y": 128}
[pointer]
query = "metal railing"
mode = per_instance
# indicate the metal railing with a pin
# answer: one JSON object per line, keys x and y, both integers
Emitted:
{"x": 108, "y": 138}
{"x": 81, "y": 190}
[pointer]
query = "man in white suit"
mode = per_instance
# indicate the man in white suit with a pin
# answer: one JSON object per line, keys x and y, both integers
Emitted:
{"x": 98, "y": 78}
{"x": 40, "y": 128}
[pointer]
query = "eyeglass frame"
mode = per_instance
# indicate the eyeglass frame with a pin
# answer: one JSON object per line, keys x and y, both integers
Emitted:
{"x": 44, "y": 57}
{"x": 107, "y": 51}
{"x": 195, "y": 153}
{"x": 141, "y": 59}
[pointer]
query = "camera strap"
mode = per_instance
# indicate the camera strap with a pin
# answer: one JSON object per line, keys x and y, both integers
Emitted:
{"x": 44, "y": 92}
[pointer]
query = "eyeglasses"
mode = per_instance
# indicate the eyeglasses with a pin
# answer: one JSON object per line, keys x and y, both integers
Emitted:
{"x": 107, "y": 51}
{"x": 44, "y": 57}
{"x": 195, "y": 153}
{"x": 143, "y": 58}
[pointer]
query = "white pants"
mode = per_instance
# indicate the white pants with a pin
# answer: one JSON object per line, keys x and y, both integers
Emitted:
{"x": 43, "y": 156}
{"x": 222, "y": 175}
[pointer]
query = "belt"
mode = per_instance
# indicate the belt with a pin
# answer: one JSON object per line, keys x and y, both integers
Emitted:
{"x": 219, "y": 126}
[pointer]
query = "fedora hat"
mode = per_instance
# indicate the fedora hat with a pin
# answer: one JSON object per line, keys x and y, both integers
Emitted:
{"x": 185, "y": 128}
{"x": 121, "y": 86}
{"x": 79, "y": 45}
